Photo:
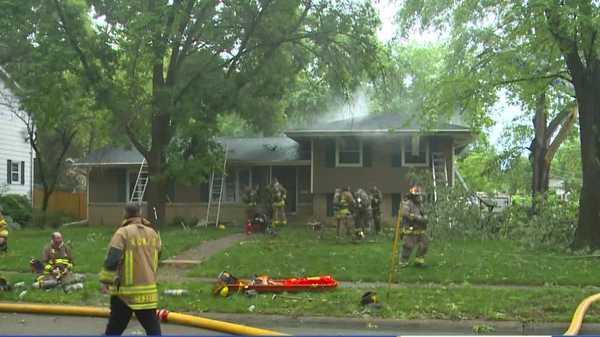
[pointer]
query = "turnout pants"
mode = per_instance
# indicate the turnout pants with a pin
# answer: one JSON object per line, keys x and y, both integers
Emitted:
{"x": 410, "y": 241}
{"x": 279, "y": 217}
{"x": 120, "y": 314}
{"x": 377, "y": 220}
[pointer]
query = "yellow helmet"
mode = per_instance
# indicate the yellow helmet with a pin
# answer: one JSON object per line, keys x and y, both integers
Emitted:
{"x": 221, "y": 226}
{"x": 224, "y": 292}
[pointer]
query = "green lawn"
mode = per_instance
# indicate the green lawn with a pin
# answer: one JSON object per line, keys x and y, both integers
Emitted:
{"x": 89, "y": 244}
{"x": 544, "y": 304}
{"x": 298, "y": 252}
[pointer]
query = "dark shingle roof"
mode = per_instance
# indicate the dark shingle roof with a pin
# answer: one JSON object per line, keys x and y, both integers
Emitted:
{"x": 378, "y": 123}
{"x": 112, "y": 156}
{"x": 264, "y": 149}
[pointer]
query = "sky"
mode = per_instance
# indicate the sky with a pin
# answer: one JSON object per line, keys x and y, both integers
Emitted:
{"x": 502, "y": 113}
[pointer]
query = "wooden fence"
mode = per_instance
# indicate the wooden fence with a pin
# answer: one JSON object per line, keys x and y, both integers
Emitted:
{"x": 72, "y": 204}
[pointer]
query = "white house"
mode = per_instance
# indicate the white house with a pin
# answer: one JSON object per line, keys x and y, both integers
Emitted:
{"x": 16, "y": 154}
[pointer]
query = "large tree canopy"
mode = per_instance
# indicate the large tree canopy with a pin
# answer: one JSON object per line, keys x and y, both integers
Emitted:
{"x": 167, "y": 69}
{"x": 540, "y": 40}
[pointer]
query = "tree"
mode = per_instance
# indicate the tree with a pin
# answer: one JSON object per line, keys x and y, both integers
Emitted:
{"x": 166, "y": 69}
{"x": 54, "y": 122}
{"x": 492, "y": 31}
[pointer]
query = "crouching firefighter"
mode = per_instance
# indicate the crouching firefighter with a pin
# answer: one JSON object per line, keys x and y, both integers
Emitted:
{"x": 56, "y": 266}
{"x": 414, "y": 224}
{"x": 129, "y": 274}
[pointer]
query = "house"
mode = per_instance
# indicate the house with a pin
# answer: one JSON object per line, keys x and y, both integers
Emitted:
{"x": 557, "y": 184}
{"x": 310, "y": 162}
{"x": 16, "y": 154}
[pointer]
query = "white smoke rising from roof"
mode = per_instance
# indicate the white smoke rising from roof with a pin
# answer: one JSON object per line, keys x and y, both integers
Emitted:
{"x": 356, "y": 107}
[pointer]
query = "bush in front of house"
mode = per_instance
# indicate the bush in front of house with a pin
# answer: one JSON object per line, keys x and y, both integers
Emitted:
{"x": 182, "y": 222}
{"x": 17, "y": 207}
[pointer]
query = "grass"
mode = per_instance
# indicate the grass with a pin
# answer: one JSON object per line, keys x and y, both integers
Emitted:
{"x": 89, "y": 245}
{"x": 448, "y": 290}
{"x": 544, "y": 304}
{"x": 298, "y": 252}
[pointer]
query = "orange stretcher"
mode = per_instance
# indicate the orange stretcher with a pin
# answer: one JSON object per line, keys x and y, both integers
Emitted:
{"x": 264, "y": 284}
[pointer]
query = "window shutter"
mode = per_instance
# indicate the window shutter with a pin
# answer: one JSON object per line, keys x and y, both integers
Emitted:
{"x": 22, "y": 173}
{"x": 329, "y": 153}
{"x": 8, "y": 168}
{"x": 367, "y": 155}
{"x": 329, "y": 198}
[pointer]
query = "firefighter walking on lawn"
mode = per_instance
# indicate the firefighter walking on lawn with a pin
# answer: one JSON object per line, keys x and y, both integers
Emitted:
{"x": 414, "y": 224}
{"x": 130, "y": 274}
{"x": 279, "y": 194}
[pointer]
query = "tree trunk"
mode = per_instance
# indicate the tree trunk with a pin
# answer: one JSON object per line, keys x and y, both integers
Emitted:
{"x": 46, "y": 198}
{"x": 588, "y": 99}
{"x": 540, "y": 166}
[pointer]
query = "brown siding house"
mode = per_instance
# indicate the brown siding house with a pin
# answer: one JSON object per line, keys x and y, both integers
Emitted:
{"x": 311, "y": 162}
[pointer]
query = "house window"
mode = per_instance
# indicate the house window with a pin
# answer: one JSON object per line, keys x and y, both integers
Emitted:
{"x": 415, "y": 152}
{"x": 348, "y": 152}
{"x": 15, "y": 171}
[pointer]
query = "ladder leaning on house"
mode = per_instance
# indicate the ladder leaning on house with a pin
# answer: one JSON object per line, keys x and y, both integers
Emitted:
{"x": 439, "y": 172}
{"x": 141, "y": 182}
{"x": 215, "y": 194}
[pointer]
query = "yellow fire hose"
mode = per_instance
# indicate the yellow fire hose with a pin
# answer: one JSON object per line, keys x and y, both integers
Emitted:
{"x": 577, "y": 319}
{"x": 394, "y": 257}
{"x": 164, "y": 315}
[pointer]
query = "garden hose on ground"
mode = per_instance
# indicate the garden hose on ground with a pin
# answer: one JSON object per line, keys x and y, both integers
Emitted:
{"x": 164, "y": 315}
{"x": 577, "y": 319}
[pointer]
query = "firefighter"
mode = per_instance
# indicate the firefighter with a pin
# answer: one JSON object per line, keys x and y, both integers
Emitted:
{"x": 278, "y": 197}
{"x": 414, "y": 224}
{"x": 3, "y": 233}
{"x": 362, "y": 212}
{"x": 56, "y": 249}
{"x": 129, "y": 274}
{"x": 250, "y": 198}
{"x": 55, "y": 268}
{"x": 343, "y": 204}
{"x": 376, "y": 199}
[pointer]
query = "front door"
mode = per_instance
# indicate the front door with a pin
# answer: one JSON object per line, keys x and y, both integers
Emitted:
{"x": 287, "y": 177}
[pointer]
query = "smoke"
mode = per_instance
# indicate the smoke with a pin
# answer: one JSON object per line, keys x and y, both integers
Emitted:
{"x": 356, "y": 107}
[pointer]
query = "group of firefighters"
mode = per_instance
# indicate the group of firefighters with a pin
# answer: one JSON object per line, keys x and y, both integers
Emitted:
{"x": 272, "y": 198}
{"x": 363, "y": 207}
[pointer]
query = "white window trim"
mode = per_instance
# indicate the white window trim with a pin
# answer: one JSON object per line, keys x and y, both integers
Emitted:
{"x": 18, "y": 163}
{"x": 337, "y": 154}
{"x": 426, "y": 164}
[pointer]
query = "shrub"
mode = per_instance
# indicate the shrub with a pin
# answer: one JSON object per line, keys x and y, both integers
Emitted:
{"x": 552, "y": 227}
{"x": 179, "y": 221}
{"x": 18, "y": 207}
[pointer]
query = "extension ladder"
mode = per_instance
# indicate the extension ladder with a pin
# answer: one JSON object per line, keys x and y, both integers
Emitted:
{"x": 215, "y": 193}
{"x": 141, "y": 182}
{"x": 439, "y": 172}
